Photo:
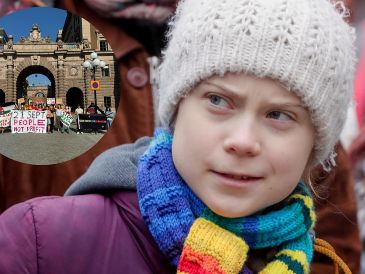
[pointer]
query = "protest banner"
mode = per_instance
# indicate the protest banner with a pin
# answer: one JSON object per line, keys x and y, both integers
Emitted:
{"x": 66, "y": 119}
{"x": 5, "y": 118}
{"x": 28, "y": 121}
{"x": 21, "y": 101}
{"x": 51, "y": 101}
{"x": 59, "y": 101}
{"x": 93, "y": 122}
{"x": 8, "y": 108}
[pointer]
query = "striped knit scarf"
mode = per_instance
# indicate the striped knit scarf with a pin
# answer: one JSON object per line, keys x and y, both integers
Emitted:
{"x": 196, "y": 240}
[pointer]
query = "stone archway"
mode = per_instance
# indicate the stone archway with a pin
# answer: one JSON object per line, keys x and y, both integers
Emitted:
{"x": 2, "y": 96}
{"x": 74, "y": 98}
{"x": 21, "y": 84}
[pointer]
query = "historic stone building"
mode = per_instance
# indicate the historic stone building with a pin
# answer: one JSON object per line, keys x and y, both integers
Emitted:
{"x": 61, "y": 62}
{"x": 39, "y": 91}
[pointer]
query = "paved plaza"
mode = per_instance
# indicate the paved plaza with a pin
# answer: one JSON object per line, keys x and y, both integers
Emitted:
{"x": 46, "y": 148}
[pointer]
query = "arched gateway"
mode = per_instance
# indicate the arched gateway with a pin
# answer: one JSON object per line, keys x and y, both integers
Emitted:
{"x": 2, "y": 96}
{"x": 74, "y": 98}
{"x": 25, "y": 69}
{"x": 60, "y": 61}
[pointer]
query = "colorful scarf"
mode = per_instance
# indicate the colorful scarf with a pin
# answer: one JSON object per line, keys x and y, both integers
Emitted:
{"x": 196, "y": 240}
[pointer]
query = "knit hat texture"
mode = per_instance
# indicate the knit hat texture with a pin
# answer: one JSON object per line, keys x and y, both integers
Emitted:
{"x": 304, "y": 44}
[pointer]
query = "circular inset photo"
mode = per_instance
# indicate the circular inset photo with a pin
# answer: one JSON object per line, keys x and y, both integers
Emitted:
{"x": 57, "y": 85}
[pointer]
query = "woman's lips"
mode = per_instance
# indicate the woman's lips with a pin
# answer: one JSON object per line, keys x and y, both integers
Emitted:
{"x": 234, "y": 180}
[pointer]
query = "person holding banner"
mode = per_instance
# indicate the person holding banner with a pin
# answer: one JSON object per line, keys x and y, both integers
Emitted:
{"x": 91, "y": 109}
{"x": 66, "y": 120}
{"x": 49, "y": 119}
{"x": 5, "y": 117}
{"x": 109, "y": 116}
{"x": 52, "y": 109}
{"x": 78, "y": 111}
{"x": 2, "y": 128}
{"x": 58, "y": 114}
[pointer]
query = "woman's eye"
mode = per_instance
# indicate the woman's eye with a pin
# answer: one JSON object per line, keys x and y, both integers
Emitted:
{"x": 278, "y": 115}
{"x": 218, "y": 101}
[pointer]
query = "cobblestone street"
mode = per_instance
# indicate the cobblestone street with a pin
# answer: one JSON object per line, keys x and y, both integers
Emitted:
{"x": 44, "y": 149}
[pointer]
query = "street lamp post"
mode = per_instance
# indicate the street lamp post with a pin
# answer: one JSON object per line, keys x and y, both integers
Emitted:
{"x": 92, "y": 64}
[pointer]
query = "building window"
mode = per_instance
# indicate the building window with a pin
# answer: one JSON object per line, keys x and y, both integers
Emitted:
{"x": 40, "y": 94}
{"x": 105, "y": 72}
{"x": 103, "y": 45}
{"x": 107, "y": 101}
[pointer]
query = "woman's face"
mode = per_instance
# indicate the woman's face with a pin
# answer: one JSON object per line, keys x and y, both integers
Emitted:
{"x": 241, "y": 143}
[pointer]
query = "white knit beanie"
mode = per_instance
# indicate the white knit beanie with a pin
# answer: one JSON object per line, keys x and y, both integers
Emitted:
{"x": 305, "y": 44}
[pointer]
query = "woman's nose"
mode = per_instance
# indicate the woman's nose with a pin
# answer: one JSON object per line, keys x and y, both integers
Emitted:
{"x": 243, "y": 141}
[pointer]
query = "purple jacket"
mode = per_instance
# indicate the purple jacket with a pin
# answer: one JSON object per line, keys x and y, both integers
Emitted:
{"x": 108, "y": 236}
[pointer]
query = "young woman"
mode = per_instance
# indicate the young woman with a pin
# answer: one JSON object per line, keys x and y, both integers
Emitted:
{"x": 248, "y": 90}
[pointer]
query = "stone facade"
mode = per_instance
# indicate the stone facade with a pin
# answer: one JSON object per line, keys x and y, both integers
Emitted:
{"x": 61, "y": 62}
{"x": 37, "y": 91}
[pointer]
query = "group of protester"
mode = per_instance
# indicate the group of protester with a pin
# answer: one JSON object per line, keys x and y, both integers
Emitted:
{"x": 58, "y": 113}
{"x": 54, "y": 114}
{"x": 92, "y": 109}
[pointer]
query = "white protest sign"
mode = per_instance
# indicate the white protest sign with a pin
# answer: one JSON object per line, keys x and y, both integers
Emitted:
{"x": 51, "y": 101}
{"x": 66, "y": 119}
{"x": 28, "y": 121}
{"x": 5, "y": 119}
